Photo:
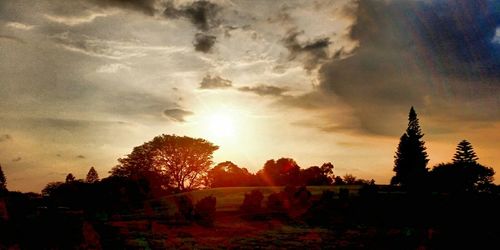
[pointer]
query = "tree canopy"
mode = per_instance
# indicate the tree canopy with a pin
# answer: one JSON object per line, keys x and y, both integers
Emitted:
{"x": 169, "y": 161}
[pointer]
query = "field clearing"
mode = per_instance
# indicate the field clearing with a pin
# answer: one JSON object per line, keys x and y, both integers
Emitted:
{"x": 230, "y": 198}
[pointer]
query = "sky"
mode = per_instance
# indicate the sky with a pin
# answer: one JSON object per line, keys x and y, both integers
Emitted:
{"x": 84, "y": 81}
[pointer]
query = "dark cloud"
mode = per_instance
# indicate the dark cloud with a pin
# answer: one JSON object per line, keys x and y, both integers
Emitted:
{"x": 80, "y": 157}
{"x": 177, "y": 114}
{"x": 311, "y": 53}
{"x": 204, "y": 17}
{"x": 5, "y": 137}
{"x": 264, "y": 90}
{"x": 202, "y": 14}
{"x": 203, "y": 42}
{"x": 17, "y": 159}
{"x": 215, "y": 82}
{"x": 435, "y": 55}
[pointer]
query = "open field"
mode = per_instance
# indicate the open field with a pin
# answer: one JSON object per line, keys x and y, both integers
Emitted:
{"x": 230, "y": 198}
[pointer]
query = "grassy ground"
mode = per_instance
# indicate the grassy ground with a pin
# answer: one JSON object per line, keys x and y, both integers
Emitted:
{"x": 230, "y": 198}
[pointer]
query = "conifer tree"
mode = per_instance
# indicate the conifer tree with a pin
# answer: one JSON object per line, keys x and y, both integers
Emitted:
{"x": 70, "y": 177}
{"x": 465, "y": 153}
{"x": 411, "y": 159}
{"x": 3, "y": 180}
{"x": 92, "y": 176}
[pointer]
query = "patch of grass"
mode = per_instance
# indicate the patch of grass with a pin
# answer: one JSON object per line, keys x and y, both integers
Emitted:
{"x": 231, "y": 198}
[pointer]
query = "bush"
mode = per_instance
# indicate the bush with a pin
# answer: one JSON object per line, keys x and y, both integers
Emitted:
{"x": 252, "y": 204}
{"x": 184, "y": 208}
{"x": 204, "y": 211}
{"x": 276, "y": 203}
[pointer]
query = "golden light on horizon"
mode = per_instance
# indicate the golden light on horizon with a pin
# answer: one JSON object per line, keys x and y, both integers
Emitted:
{"x": 222, "y": 126}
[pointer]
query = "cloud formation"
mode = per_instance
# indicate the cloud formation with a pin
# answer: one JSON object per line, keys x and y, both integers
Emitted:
{"x": 264, "y": 90}
{"x": 430, "y": 58}
{"x": 311, "y": 53}
{"x": 176, "y": 114}
{"x": 215, "y": 82}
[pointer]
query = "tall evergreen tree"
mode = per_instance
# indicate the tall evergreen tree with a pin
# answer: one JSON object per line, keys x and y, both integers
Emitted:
{"x": 3, "y": 180}
{"x": 411, "y": 159}
{"x": 465, "y": 153}
{"x": 92, "y": 176}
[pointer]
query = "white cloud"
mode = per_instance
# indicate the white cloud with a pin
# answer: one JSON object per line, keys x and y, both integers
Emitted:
{"x": 19, "y": 26}
{"x": 113, "y": 68}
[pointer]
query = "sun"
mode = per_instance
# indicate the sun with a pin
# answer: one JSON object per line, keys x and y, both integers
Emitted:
{"x": 221, "y": 125}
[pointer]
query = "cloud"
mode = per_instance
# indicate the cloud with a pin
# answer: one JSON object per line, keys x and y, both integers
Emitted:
{"x": 310, "y": 53}
{"x": 264, "y": 90}
{"x": 86, "y": 17}
{"x": 438, "y": 56}
{"x": 147, "y": 7}
{"x": 80, "y": 157}
{"x": 177, "y": 114}
{"x": 110, "y": 49}
{"x": 203, "y": 42}
{"x": 215, "y": 82}
{"x": 112, "y": 68}
{"x": 19, "y": 26}
{"x": 202, "y": 14}
{"x": 17, "y": 159}
{"x": 5, "y": 137}
{"x": 9, "y": 38}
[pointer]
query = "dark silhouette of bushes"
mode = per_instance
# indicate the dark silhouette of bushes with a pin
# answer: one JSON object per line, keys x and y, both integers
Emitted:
{"x": 204, "y": 211}
{"x": 185, "y": 209}
{"x": 252, "y": 205}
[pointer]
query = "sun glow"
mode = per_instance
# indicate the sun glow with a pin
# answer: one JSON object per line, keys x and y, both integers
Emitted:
{"x": 221, "y": 126}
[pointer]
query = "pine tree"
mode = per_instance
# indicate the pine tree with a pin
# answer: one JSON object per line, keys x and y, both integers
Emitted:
{"x": 3, "y": 180}
{"x": 70, "y": 177}
{"x": 411, "y": 159}
{"x": 465, "y": 153}
{"x": 92, "y": 176}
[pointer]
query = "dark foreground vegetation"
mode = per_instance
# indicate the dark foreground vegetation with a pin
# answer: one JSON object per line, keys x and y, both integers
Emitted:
{"x": 164, "y": 195}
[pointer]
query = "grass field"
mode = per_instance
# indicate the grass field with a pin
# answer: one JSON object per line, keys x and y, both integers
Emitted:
{"x": 230, "y": 198}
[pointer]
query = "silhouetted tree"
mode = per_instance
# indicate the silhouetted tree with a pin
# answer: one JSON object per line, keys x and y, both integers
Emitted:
{"x": 464, "y": 173}
{"x": 284, "y": 171}
{"x": 338, "y": 180}
{"x": 92, "y": 176}
{"x": 465, "y": 153}
{"x": 3, "y": 180}
{"x": 169, "y": 161}
{"x": 317, "y": 176}
{"x": 70, "y": 178}
{"x": 411, "y": 159}
{"x": 228, "y": 174}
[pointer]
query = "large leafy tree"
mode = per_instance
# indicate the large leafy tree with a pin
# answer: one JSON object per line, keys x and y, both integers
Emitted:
{"x": 284, "y": 171}
{"x": 411, "y": 158}
{"x": 464, "y": 173}
{"x": 169, "y": 161}
{"x": 228, "y": 174}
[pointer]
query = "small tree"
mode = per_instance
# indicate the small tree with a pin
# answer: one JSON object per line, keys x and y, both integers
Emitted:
{"x": 70, "y": 178}
{"x": 3, "y": 180}
{"x": 92, "y": 176}
{"x": 411, "y": 159}
{"x": 464, "y": 173}
{"x": 465, "y": 153}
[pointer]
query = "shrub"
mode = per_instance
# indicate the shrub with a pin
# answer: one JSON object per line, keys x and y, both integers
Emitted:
{"x": 204, "y": 211}
{"x": 185, "y": 208}
{"x": 276, "y": 202}
{"x": 252, "y": 204}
